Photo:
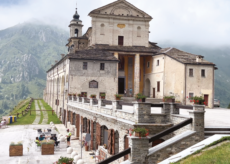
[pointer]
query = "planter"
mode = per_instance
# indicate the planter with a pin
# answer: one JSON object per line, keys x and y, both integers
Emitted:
{"x": 93, "y": 97}
{"x": 170, "y": 100}
{"x": 117, "y": 98}
{"x": 141, "y": 100}
{"x": 16, "y": 150}
{"x": 137, "y": 134}
{"x": 86, "y": 148}
{"x": 102, "y": 97}
{"x": 47, "y": 149}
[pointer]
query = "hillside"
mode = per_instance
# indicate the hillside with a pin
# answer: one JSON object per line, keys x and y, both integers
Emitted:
{"x": 26, "y": 51}
{"x": 221, "y": 57}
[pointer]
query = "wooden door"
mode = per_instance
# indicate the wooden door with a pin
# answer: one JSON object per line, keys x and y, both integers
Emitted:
{"x": 111, "y": 142}
{"x": 154, "y": 92}
{"x": 78, "y": 125}
{"x": 98, "y": 132}
{"x": 120, "y": 40}
{"x": 92, "y": 136}
{"x": 206, "y": 99}
{"x": 126, "y": 140}
{"x": 88, "y": 126}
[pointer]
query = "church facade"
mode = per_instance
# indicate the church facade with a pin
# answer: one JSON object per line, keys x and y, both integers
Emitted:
{"x": 115, "y": 55}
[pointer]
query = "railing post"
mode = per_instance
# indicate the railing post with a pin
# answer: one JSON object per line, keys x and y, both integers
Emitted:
{"x": 83, "y": 100}
{"x": 198, "y": 120}
{"x": 142, "y": 112}
{"x": 166, "y": 110}
{"x": 139, "y": 149}
{"x": 91, "y": 102}
{"x": 78, "y": 99}
{"x": 116, "y": 105}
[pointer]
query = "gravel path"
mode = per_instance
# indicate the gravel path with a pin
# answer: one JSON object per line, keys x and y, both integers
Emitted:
{"x": 45, "y": 114}
{"x": 38, "y": 113}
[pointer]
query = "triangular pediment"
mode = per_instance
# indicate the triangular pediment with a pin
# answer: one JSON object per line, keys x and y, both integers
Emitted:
{"x": 122, "y": 8}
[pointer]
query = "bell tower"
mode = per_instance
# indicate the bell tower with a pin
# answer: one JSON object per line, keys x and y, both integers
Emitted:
{"x": 76, "y": 26}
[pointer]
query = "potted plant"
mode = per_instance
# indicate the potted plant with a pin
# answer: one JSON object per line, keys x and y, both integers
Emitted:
{"x": 47, "y": 147}
{"x": 102, "y": 96}
{"x": 93, "y": 96}
{"x": 70, "y": 94}
{"x": 139, "y": 132}
{"x": 79, "y": 95}
{"x": 140, "y": 98}
{"x": 74, "y": 95}
{"x": 198, "y": 100}
{"x": 170, "y": 99}
{"x": 117, "y": 97}
{"x": 86, "y": 146}
{"x": 65, "y": 160}
{"x": 16, "y": 149}
{"x": 83, "y": 94}
{"x": 105, "y": 146}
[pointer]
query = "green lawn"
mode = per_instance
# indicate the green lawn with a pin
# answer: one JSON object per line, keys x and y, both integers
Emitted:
{"x": 51, "y": 117}
{"x": 215, "y": 155}
{"x": 26, "y": 119}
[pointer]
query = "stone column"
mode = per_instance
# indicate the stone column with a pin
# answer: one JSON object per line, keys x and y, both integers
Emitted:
{"x": 198, "y": 120}
{"x": 142, "y": 112}
{"x": 139, "y": 149}
{"x": 116, "y": 55}
{"x": 83, "y": 100}
{"x": 91, "y": 102}
{"x": 137, "y": 74}
{"x": 166, "y": 110}
{"x": 77, "y": 99}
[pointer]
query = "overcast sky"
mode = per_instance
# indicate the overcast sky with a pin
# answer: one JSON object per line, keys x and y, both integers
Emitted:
{"x": 203, "y": 22}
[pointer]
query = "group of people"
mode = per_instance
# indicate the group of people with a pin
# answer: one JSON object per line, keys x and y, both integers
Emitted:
{"x": 53, "y": 137}
{"x": 130, "y": 94}
{"x": 3, "y": 123}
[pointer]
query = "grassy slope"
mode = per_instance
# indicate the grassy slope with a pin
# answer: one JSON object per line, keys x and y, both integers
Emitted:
{"x": 26, "y": 119}
{"x": 22, "y": 105}
{"x": 54, "y": 117}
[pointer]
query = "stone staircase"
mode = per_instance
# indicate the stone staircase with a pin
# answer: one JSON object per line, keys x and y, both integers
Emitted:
{"x": 149, "y": 100}
{"x": 210, "y": 131}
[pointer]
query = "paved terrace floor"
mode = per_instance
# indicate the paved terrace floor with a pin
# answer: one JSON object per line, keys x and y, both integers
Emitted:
{"x": 27, "y": 134}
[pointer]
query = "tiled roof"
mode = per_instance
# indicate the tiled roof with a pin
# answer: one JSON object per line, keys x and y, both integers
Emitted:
{"x": 93, "y": 54}
{"x": 182, "y": 56}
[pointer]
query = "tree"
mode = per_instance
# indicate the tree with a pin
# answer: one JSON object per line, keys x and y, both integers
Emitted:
{"x": 229, "y": 106}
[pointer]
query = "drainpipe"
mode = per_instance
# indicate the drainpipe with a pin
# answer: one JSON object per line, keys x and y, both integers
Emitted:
{"x": 185, "y": 82}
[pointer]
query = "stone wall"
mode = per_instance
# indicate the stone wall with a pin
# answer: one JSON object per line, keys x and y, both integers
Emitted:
{"x": 176, "y": 119}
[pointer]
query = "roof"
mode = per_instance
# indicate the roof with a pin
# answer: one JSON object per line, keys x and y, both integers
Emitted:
{"x": 97, "y": 11}
{"x": 93, "y": 54}
{"x": 131, "y": 49}
{"x": 182, "y": 56}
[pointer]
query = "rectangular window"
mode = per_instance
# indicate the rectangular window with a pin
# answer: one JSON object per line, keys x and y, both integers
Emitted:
{"x": 158, "y": 86}
{"x": 120, "y": 40}
{"x": 191, "y": 95}
{"x": 158, "y": 62}
{"x": 202, "y": 73}
{"x": 191, "y": 72}
{"x": 84, "y": 65}
{"x": 102, "y": 66}
{"x": 148, "y": 64}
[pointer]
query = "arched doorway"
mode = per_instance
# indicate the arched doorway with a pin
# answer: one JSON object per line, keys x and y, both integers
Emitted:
{"x": 147, "y": 87}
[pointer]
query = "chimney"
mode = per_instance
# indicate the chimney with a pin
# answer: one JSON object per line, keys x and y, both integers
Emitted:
{"x": 199, "y": 58}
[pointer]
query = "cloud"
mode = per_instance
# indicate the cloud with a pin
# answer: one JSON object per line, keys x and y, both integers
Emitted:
{"x": 203, "y": 22}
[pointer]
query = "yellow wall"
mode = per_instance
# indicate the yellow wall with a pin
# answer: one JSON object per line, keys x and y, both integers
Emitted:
{"x": 142, "y": 74}
{"x": 150, "y": 60}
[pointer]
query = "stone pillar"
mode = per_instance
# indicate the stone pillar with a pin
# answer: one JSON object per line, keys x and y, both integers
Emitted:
{"x": 137, "y": 74}
{"x": 77, "y": 99}
{"x": 174, "y": 109}
{"x": 117, "y": 56}
{"x": 90, "y": 102}
{"x": 142, "y": 112}
{"x": 166, "y": 110}
{"x": 100, "y": 103}
{"x": 116, "y": 105}
{"x": 139, "y": 149}
{"x": 198, "y": 120}
{"x": 83, "y": 100}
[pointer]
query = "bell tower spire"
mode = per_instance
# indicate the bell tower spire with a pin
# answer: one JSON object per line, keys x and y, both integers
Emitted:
{"x": 76, "y": 25}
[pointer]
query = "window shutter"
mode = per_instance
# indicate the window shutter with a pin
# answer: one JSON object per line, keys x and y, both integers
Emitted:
{"x": 77, "y": 124}
{"x": 98, "y": 132}
{"x": 81, "y": 120}
{"x": 92, "y": 145}
{"x": 113, "y": 142}
{"x": 109, "y": 141}
{"x": 71, "y": 118}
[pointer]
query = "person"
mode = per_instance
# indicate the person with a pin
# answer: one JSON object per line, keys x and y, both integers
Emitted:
{"x": 68, "y": 138}
{"x": 125, "y": 93}
{"x": 55, "y": 139}
{"x": 130, "y": 92}
{"x": 41, "y": 138}
{"x": 37, "y": 142}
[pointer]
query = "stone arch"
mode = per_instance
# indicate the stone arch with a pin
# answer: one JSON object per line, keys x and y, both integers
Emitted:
{"x": 76, "y": 31}
{"x": 104, "y": 135}
{"x": 147, "y": 87}
{"x": 138, "y": 31}
{"x": 102, "y": 30}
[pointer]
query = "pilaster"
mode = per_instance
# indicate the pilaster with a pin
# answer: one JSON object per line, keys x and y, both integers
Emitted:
{"x": 137, "y": 74}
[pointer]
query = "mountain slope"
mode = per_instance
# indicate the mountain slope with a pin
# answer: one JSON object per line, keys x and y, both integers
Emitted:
{"x": 26, "y": 52}
{"x": 221, "y": 57}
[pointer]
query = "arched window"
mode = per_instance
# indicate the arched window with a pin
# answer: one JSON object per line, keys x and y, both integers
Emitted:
{"x": 102, "y": 29}
{"x": 76, "y": 33}
{"x": 138, "y": 31}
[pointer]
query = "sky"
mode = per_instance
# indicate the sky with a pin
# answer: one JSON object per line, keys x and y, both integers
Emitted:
{"x": 200, "y": 22}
